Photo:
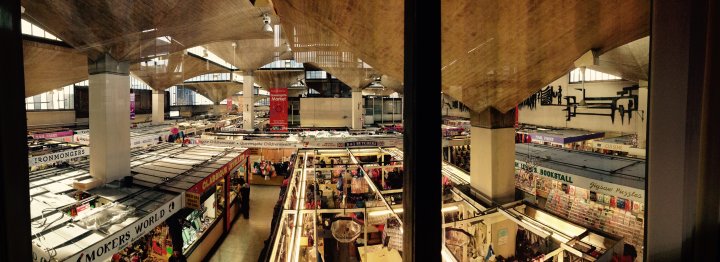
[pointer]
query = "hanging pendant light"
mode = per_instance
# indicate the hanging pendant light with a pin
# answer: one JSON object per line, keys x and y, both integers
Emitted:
{"x": 344, "y": 229}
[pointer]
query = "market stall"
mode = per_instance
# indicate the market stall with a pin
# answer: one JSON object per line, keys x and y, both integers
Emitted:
{"x": 602, "y": 192}
{"x": 565, "y": 138}
{"x": 626, "y": 145}
{"x": 204, "y": 175}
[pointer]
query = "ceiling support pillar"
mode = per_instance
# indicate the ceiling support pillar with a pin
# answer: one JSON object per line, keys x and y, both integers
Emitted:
{"x": 247, "y": 102}
{"x": 492, "y": 154}
{"x": 158, "y": 106}
{"x": 357, "y": 110}
{"x": 109, "y": 120}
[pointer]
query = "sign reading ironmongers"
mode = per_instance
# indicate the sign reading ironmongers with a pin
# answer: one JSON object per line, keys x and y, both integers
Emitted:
{"x": 59, "y": 156}
{"x": 112, "y": 244}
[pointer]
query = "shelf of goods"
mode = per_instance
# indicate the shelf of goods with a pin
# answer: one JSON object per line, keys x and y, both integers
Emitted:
{"x": 124, "y": 219}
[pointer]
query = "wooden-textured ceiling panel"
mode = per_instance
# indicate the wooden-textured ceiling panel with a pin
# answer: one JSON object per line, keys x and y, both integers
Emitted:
{"x": 48, "y": 67}
{"x": 335, "y": 33}
{"x": 179, "y": 68}
{"x": 250, "y": 54}
{"x": 276, "y": 78}
{"x": 494, "y": 53}
{"x": 128, "y": 29}
{"x": 497, "y": 53}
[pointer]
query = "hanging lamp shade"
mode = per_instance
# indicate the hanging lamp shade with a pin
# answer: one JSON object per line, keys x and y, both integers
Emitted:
{"x": 345, "y": 230}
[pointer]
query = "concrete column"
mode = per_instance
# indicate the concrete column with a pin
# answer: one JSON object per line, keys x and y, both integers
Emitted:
{"x": 492, "y": 154}
{"x": 109, "y": 119}
{"x": 357, "y": 110}
{"x": 247, "y": 102}
{"x": 158, "y": 106}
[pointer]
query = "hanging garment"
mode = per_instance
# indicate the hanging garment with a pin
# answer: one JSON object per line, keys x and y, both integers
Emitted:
{"x": 358, "y": 185}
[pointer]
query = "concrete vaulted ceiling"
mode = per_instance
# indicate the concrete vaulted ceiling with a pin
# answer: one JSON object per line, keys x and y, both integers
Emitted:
{"x": 128, "y": 30}
{"x": 629, "y": 61}
{"x": 179, "y": 68}
{"x": 494, "y": 53}
{"x": 49, "y": 66}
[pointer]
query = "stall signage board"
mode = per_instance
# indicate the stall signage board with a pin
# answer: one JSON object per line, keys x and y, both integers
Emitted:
{"x": 249, "y": 143}
{"x": 53, "y": 135}
{"x": 278, "y": 109}
{"x": 210, "y": 180}
{"x": 82, "y": 131}
{"x": 83, "y": 139}
{"x": 59, "y": 156}
{"x": 116, "y": 242}
{"x": 547, "y": 138}
{"x": 603, "y": 187}
{"x": 139, "y": 141}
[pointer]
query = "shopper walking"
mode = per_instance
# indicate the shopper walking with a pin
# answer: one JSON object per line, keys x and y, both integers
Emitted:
{"x": 244, "y": 198}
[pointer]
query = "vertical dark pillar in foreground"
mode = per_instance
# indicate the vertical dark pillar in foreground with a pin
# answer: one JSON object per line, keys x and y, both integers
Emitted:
{"x": 684, "y": 121}
{"x": 422, "y": 159}
{"x": 14, "y": 198}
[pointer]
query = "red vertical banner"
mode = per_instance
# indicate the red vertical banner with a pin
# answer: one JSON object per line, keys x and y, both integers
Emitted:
{"x": 229, "y": 103}
{"x": 278, "y": 109}
{"x": 132, "y": 106}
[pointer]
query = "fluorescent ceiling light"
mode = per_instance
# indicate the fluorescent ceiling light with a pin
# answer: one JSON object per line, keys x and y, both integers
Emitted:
{"x": 400, "y": 210}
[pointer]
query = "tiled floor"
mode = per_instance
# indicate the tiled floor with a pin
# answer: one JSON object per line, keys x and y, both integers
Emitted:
{"x": 247, "y": 236}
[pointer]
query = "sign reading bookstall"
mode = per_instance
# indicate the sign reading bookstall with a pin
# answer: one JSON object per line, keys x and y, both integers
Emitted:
{"x": 57, "y": 157}
{"x": 599, "y": 186}
{"x": 278, "y": 109}
{"x": 192, "y": 196}
{"x": 116, "y": 242}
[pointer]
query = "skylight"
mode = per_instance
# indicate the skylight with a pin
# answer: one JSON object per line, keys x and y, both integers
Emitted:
{"x": 28, "y": 28}
{"x": 591, "y": 76}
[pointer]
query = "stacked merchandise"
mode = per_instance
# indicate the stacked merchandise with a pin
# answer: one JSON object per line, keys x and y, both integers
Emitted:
{"x": 155, "y": 246}
{"x": 193, "y": 227}
{"x": 618, "y": 216}
{"x": 460, "y": 157}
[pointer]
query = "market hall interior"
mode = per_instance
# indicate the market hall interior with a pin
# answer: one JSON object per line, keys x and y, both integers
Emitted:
{"x": 292, "y": 130}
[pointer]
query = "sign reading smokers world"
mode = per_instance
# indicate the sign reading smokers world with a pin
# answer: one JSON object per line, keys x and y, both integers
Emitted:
{"x": 599, "y": 186}
{"x": 58, "y": 157}
{"x": 103, "y": 250}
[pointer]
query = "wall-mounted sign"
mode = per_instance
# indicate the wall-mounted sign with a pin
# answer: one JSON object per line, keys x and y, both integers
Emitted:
{"x": 58, "y": 157}
{"x": 132, "y": 106}
{"x": 278, "y": 109}
{"x": 112, "y": 244}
